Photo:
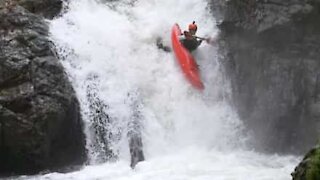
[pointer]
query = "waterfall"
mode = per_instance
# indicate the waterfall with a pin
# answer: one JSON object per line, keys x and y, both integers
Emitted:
{"x": 134, "y": 94}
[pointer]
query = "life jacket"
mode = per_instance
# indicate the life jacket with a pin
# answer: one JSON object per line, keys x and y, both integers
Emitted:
{"x": 190, "y": 42}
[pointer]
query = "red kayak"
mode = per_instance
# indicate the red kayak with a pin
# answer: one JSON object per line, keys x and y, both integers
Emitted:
{"x": 185, "y": 59}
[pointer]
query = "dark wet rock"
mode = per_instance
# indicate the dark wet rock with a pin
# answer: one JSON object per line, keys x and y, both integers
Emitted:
{"x": 136, "y": 149}
{"x": 134, "y": 131}
{"x": 105, "y": 131}
{"x": 101, "y": 135}
{"x": 271, "y": 53}
{"x": 40, "y": 123}
{"x": 47, "y": 8}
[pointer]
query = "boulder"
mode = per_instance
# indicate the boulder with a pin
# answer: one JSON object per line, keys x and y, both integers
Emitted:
{"x": 40, "y": 121}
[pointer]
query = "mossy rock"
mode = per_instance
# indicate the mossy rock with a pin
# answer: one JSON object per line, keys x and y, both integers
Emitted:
{"x": 309, "y": 168}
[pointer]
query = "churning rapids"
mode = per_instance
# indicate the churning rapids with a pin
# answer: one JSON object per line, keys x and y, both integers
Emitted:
{"x": 124, "y": 81}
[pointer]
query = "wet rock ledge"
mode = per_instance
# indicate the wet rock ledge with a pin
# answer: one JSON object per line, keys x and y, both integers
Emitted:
{"x": 40, "y": 122}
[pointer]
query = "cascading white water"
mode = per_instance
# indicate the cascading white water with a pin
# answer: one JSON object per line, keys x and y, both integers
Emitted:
{"x": 110, "y": 54}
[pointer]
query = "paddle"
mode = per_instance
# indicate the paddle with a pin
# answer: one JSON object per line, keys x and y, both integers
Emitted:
{"x": 209, "y": 40}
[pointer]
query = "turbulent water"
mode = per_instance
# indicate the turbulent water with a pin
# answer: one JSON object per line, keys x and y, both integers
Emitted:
{"x": 121, "y": 78}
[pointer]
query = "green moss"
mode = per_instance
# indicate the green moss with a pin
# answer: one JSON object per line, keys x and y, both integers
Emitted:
{"x": 313, "y": 170}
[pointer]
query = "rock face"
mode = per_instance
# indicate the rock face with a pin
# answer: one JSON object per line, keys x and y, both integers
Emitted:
{"x": 40, "y": 123}
{"x": 271, "y": 53}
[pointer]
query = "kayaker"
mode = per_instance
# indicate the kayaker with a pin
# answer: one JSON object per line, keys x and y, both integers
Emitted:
{"x": 189, "y": 38}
